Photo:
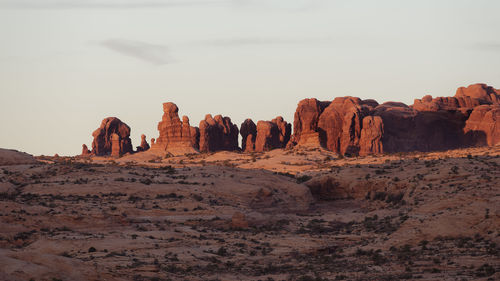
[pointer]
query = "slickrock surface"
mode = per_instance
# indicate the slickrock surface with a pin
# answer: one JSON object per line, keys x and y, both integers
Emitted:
{"x": 300, "y": 214}
{"x": 14, "y": 157}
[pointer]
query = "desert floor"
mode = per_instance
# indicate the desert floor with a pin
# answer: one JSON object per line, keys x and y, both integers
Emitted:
{"x": 301, "y": 214}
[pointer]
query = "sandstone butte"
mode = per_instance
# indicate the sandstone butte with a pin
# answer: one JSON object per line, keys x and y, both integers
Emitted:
{"x": 112, "y": 137}
{"x": 346, "y": 125}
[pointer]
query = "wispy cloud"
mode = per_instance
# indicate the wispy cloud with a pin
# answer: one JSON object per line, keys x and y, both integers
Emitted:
{"x": 488, "y": 46}
{"x": 249, "y": 41}
{"x": 102, "y": 4}
{"x": 151, "y": 53}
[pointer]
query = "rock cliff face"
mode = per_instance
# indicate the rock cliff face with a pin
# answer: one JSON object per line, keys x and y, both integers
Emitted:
{"x": 176, "y": 136}
{"x": 349, "y": 125}
{"x": 102, "y": 143}
{"x": 218, "y": 133}
{"x": 346, "y": 125}
{"x": 248, "y": 131}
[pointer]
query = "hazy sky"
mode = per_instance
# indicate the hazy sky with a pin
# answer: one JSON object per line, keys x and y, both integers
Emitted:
{"x": 67, "y": 64}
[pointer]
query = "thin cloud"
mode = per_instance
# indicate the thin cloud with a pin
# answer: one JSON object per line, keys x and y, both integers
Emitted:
{"x": 488, "y": 46}
{"x": 102, "y": 4}
{"x": 249, "y": 41}
{"x": 151, "y": 53}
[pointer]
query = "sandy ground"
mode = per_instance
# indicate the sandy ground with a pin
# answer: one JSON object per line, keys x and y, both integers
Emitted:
{"x": 302, "y": 214}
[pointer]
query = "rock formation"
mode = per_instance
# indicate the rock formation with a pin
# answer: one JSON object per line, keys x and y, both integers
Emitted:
{"x": 248, "y": 131}
{"x": 346, "y": 125}
{"x": 144, "y": 144}
{"x": 102, "y": 143}
{"x": 218, "y": 133}
{"x": 176, "y": 136}
{"x": 115, "y": 145}
{"x": 267, "y": 136}
{"x": 85, "y": 150}
{"x": 305, "y": 122}
{"x": 272, "y": 134}
{"x": 483, "y": 126}
{"x": 349, "y": 125}
{"x": 285, "y": 130}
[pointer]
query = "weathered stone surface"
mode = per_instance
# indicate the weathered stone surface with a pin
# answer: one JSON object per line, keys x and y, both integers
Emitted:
{"x": 268, "y": 136}
{"x": 339, "y": 125}
{"x": 248, "y": 131}
{"x": 371, "y": 136}
{"x": 483, "y": 126}
{"x": 218, "y": 133}
{"x": 115, "y": 145}
{"x": 102, "y": 143}
{"x": 144, "y": 144}
{"x": 239, "y": 221}
{"x": 481, "y": 92}
{"x": 176, "y": 136}
{"x": 350, "y": 125}
{"x": 85, "y": 150}
{"x": 305, "y": 122}
{"x": 285, "y": 131}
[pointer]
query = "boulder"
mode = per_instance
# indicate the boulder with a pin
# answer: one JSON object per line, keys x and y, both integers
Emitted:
{"x": 102, "y": 143}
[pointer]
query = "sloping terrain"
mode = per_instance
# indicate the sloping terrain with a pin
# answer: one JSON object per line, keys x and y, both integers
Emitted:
{"x": 301, "y": 214}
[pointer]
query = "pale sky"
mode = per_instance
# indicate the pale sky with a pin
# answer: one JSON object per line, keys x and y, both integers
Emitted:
{"x": 67, "y": 64}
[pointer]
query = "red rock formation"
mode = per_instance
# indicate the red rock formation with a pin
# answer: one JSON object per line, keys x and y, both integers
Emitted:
{"x": 102, "y": 143}
{"x": 371, "y": 136}
{"x": 483, "y": 126}
{"x": 352, "y": 126}
{"x": 218, "y": 133}
{"x": 176, "y": 136}
{"x": 248, "y": 131}
{"x": 285, "y": 130}
{"x": 268, "y": 136}
{"x": 305, "y": 122}
{"x": 115, "y": 145}
{"x": 144, "y": 144}
{"x": 85, "y": 150}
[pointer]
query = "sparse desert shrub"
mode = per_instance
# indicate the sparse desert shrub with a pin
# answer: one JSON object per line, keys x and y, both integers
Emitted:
{"x": 92, "y": 250}
{"x": 303, "y": 178}
{"x": 485, "y": 270}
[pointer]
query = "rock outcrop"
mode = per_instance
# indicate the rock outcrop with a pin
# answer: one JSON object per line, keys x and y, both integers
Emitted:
{"x": 85, "y": 150}
{"x": 102, "y": 143}
{"x": 248, "y": 131}
{"x": 272, "y": 134}
{"x": 218, "y": 133}
{"x": 349, "y": 125}
{"x": 176, "y": 136}
{"x": 267, "y": 136}
{"x": 483, "y": 126}
{"x": 144, "y": 144}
